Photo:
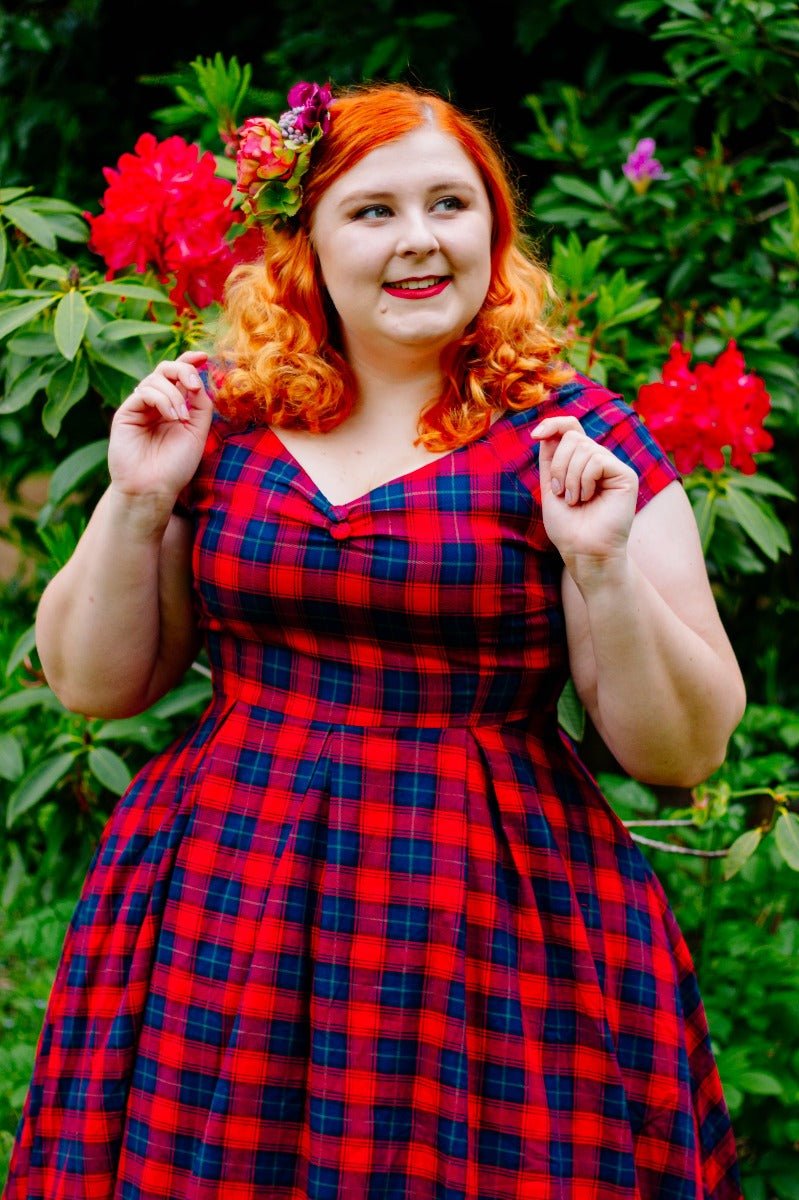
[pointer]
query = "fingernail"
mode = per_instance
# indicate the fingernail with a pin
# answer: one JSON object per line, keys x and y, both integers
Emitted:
{"x": 557, "y": 486}
{"x": 568, "y": 496}
{"x": 195, "y": 381}
{"x": 184, "y": 411}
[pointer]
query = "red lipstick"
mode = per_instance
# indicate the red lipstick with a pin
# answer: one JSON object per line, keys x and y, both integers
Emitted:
{"x": 417, "y": 293}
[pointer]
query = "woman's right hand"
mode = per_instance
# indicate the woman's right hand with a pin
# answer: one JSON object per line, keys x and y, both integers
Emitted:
{"x": 159, "y": 432}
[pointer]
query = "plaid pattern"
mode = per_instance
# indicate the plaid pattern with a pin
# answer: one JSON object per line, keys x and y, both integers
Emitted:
{"x": 369, "y": 931}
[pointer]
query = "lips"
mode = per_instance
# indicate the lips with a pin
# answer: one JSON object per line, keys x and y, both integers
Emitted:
{"x": 417, "y": 288}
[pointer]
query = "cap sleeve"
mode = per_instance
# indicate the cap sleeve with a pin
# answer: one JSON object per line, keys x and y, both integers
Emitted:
{"x": 611, "y": 422}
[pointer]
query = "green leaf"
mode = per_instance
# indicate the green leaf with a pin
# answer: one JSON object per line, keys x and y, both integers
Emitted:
{"x": 36, "y": 784}
{"x": 571, "y": 713}
{"x": 21, "y": 649}
{"x": 741, "y": 849}
{"x": 3, "y": 252}
{"x": 12, "y": 193}
{"x": 639, "y": 10}
{"x": 109, "y": 769}
{"x": 74, "y": 469}
{"x": 380, "y": 54}
{"x": 682, "y": 276}
{"x": 32, "y": 224}
{"x": 650, "y": 78}
{"x": 432, "y": 20}
{"x": 30, "y": 381}
{"x": 19, "y": 314}
{"x": 12, "y": 763}
{"x": 143, "y": 729}
{"x": 117, "y": 331}
{"x": 54, "y": 271}
{"x": 71, "y": 318}
{"x": 109, "y": 383}
{"x": 64, "y": 389}
{"x": 705, "y": 511}
{"x": 32, "y": 345}
{"x": 180, "y": 699}
{"x": 759, "y": 1083}
{"x": 225, "y": 168}
{"x": 628, "y": 794}
{"x": 136, "y": 291}
{"x": 758, "y": 522}
{"x": 579, "y": 189}
{"x": 786, "y": 832}
{"x": 127, "y": 358}
{"x": 763, "y": 485}
{"x": 559, "y": 214}
{"x": 14, "y": 876}
{"x": 27, "y": 698}
{"x": 634, "y": 312}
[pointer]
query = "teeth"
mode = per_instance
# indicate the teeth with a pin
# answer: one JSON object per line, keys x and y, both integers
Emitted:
{"x": 413, "y": 285}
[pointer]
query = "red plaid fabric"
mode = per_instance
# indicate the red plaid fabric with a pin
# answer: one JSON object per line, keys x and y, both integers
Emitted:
{"x": 368, "y": 930}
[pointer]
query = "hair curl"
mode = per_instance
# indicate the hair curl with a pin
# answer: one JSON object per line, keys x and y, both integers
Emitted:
{"x": 280, "y": 333}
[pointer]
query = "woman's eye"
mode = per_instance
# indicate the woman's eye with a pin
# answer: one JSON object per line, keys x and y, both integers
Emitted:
{"x": 449, "y": 204}
{"x": 374, "y": 210}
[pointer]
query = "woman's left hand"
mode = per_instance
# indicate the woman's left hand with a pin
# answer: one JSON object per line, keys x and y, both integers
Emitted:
{"x": 588, "y": 495}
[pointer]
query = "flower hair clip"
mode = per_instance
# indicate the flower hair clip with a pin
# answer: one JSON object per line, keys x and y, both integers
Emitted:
{"x": 272, "y": 156}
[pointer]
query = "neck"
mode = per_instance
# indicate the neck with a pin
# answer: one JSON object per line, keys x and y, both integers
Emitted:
{"x": 394, "y": 383}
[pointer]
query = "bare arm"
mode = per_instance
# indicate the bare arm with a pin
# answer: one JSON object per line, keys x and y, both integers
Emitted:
{"x": 649, "y": 656}
{"x": 114, "y": 627}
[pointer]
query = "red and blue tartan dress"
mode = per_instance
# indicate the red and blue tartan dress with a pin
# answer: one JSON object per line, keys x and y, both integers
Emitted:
{"x": 369, "y": 930}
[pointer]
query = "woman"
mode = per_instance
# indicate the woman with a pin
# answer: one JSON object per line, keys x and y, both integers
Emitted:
{"x": 369, "y": 929}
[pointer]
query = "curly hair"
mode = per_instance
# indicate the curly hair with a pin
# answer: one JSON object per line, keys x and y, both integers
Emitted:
{"x": 280, "y": 334}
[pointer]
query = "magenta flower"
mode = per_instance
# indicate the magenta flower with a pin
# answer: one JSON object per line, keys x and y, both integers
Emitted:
{"x": 310, "y": 102}
{"x": 641, "y": 167}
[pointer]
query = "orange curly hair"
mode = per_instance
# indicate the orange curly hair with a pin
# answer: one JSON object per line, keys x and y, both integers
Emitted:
{"x": 281, "y": 334}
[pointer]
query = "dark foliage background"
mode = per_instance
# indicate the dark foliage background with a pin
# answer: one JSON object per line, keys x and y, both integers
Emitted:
{"x": 710, "y": 254}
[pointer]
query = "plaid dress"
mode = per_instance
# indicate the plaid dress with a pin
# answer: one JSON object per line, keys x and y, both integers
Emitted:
{"x": 369, "y": 930}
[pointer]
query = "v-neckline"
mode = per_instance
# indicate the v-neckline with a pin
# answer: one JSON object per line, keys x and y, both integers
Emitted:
{"x": 312, "y": 487}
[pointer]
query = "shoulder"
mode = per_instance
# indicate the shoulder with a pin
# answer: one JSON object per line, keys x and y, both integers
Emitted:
{"x": 595, "y": 406}
{"x": 607, "y": 418}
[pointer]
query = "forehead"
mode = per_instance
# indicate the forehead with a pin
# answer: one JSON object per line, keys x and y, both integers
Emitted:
{"x": 417, "y": 159}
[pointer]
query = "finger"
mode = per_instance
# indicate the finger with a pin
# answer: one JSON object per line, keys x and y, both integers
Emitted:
{"x": 580, "y": 454}
{"x": 188, "y": 378}
{"x": 569, "y": 455}
{"x": 165, "y": 385}
{"x": 592, "y": 472}
{"x": 546, "y": 451}
{"x": 160, "y": 394}
{"x": 554, "y": 426}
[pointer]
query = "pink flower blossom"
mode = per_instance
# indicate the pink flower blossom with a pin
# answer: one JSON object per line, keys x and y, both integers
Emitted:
{"x": 313, "y": 102}
{"x": 262, "y": 153}
{"x": 641, "y": 167}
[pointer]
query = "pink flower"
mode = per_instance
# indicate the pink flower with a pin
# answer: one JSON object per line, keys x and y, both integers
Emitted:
{"x": 262, "y": 153}
{"x": 694, "y": 414}
{"x": 165, "y": 208}
{"x": 313, "y": 102}
{"x": 641, "y": 167}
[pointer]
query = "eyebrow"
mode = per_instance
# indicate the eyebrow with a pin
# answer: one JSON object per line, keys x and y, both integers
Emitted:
{"x": 456, "y": 185}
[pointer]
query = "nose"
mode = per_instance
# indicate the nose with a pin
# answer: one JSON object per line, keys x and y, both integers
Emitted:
{"x": 416, "y": 236}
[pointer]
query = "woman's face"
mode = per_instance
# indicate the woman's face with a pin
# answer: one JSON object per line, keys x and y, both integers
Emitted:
{"x": 404, "y": 245}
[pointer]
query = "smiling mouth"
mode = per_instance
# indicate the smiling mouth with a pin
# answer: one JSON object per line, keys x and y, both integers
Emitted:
{"x": 430, "y": 285}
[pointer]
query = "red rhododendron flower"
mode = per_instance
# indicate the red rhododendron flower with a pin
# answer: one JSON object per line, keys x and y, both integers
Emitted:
{"x": 165, "y": 208}
{"x": 694, "y": 414}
